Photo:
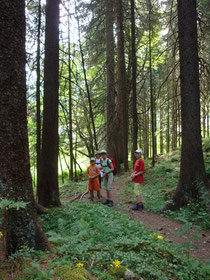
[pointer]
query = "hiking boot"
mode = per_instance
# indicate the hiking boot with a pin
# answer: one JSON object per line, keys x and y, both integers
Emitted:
{"x": 91, "y": 198}
{"x": 110, "y": 204}
{"x": 106, "y": 202}
{"x": 138, "y": 207}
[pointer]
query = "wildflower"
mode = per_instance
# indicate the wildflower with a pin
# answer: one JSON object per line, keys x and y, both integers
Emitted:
{"x": 159, "y": 237}
{"x": 1, "y": 234}
{"x": 111, "y": 265}
{"x": 79, "y": 264}
{"x": 101, "y": 265}
{"x": 116, "y": 263}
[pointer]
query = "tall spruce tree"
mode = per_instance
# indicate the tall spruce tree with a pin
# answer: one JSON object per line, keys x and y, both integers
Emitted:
{"x": 19, "y": 226}
{"x": 110, "y": 68}
{"x": 192, "y": 171}
{"x": 47, "y": 188}
{"x": 122, "y": 93}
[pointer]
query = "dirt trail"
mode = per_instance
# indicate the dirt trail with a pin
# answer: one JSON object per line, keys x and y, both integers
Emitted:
{"x": 166, "y": 226}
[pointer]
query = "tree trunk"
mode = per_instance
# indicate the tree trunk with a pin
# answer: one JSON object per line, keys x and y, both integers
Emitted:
{"x": 168, "y": 124}
{"x": 174, "y": 108}
{"x": 192, "y": 171}
{"x": 110, "y": 97}
{"x": 70, "y": 103}
{"x": 19, "y": 226}
{"x": 134, "y": 107}
{"x": 122, "y": 109}
{"x": 161, "y": 130}
{"x": 38, "y": 116}
{"x": 151, "y": 85}
{"x": 47, "y": 189}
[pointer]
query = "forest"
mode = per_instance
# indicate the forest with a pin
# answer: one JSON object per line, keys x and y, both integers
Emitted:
{"x": 125, "y": 80}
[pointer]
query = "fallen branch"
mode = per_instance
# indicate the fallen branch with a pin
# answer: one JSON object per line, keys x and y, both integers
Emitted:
{"x": 79, "y": 196}
{"x": 83, "y": 195}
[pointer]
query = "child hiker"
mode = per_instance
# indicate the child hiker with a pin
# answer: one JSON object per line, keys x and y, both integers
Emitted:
{"x": 99, "y": 165}
{"x": 138, "y": 178}
{"x": 107, "y": 177}
{"x": 93, "y": 174}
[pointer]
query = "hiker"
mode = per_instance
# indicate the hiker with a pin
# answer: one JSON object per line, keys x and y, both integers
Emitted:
{"x": 138, "y": 178}
{"x": 93, "y": 174}
{"x": 98, "y": 160}
{"x": 107, "y": 177}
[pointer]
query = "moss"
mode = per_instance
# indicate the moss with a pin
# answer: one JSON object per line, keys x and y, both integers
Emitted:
{"x": 118, "y": 272}
{"x": 67, "y": 272}
{"x": 2, "y": 275}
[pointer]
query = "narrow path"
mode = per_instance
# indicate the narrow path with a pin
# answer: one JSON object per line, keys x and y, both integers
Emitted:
{"x": 166, "y": 226}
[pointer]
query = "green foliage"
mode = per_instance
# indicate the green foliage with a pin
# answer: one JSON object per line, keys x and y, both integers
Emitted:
{"x": 206, "y": 145}
{"x": 2, "y": 275}
{"x": 71, "y": 273}
{"x": 194, "y": 213}
{"x": 118, "y": 272}
{"x": 8, "y": 204}
{"x": 34, "y": 272}
{"x": 96, "y": 235}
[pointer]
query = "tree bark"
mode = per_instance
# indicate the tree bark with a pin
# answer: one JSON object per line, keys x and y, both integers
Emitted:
{"x": 134, "y": 106}
{"x": 122, "y": 108}
{"x": 110, "y": 89}
{"x": 70, "y": 103}
{"x": 168, "y": 124}
{"x": 161, "y": 130}
{"x": 47, "y": 189}
{"x": 192, "y": 171}
{"x": 151, "y": 85}
{"x": 21, "y": 226}
{"x": 38, "y": 116}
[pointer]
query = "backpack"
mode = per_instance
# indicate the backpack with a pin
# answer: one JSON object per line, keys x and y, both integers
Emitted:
{"x": 114, "y": 165}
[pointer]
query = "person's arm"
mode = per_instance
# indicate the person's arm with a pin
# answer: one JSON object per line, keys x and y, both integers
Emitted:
{"x": 88, "y": 174}
{"x": 141, "y": 171}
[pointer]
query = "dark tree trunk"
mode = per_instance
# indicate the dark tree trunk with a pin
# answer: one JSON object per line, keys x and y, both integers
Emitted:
{"x": 151, "y": 85}
{"x": 192, "y": 171}
{"x": 161, "y": 130}
{"x": 174, "y": 108}
{"x": 122, "y": 109}
{"x": 47, "y": 189}
{"x": 168, "y": 125}
{"x": 110, "y": 66}
{"x": 19, "y": 226}
{"x": 70, "y": 103}
{"x": 134, "y": 107}
{"x": 38, "y": 116}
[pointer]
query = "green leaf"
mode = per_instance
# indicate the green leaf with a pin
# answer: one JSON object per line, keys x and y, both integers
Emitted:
{"x": 196, "y": 236}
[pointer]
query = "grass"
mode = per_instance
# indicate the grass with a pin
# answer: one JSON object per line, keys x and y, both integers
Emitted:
{"x": 94, "y": 235}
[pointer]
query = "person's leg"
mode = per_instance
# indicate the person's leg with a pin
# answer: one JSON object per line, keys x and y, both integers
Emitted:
{"x": 92, "y": 195}
{"x": 109, "y": 195}
{"x": 139, "y": 198}
{"x": 109, "y": 188}
{"x": 100, "y": 181}
{"x": 105, "y": 179}
{"x": 137, "y": 192}
{"x": 98, "y": 194}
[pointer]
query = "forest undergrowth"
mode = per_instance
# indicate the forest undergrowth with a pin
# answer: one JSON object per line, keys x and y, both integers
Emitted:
{"x": 102, "y": 242}
{"x": 92, "y": 241}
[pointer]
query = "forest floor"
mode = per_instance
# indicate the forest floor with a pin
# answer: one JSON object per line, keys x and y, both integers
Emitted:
{"x": 157, "y": 222}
